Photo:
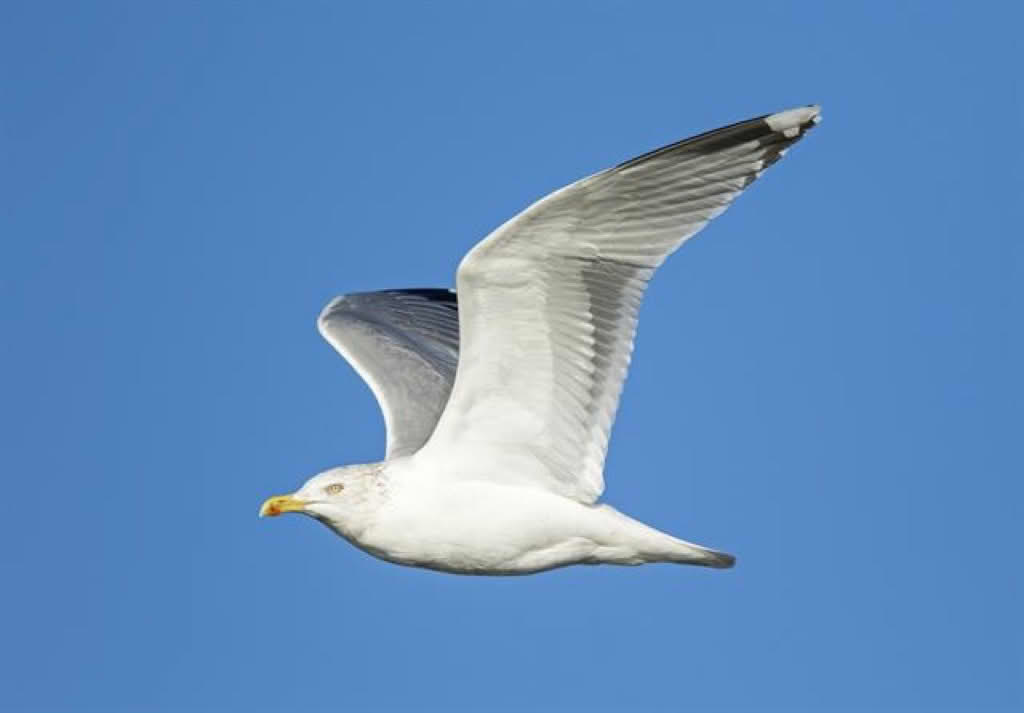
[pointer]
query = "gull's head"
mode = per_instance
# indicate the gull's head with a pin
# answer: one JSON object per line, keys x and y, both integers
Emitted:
{"x": 341, "y": 498}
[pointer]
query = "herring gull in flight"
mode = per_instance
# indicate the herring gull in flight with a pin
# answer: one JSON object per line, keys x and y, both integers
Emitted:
{"x": 499, "y": 402}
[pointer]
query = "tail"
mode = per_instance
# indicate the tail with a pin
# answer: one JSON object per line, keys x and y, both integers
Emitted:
{"x": 711, "y": 558}
{"x": 682, "y": 552}
{"x": 646, "y": 544}
{"x": 668, "y": 548}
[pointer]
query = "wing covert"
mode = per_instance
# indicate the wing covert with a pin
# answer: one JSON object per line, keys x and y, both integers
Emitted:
{"x": 405, "y": 346}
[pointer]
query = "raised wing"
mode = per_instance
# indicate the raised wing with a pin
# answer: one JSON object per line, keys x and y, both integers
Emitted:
{"x": 548, "y": 304}
{"x": 405, "y": 346}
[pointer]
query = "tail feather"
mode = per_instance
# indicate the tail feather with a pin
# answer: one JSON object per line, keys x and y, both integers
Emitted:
{"x": 689, "y": 553}
{"x": 719, "y": 560}
{"x": 646, "y": 544}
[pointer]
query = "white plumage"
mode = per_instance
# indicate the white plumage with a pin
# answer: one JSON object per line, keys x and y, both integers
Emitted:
{"x": 499, "y": 404}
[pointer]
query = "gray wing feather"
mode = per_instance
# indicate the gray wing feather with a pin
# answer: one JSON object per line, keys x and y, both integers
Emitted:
{"x": 549, "y": 301}
{"x": 405, "y": 346}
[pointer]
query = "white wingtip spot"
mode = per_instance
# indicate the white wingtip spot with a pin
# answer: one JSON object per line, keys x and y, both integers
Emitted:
{"x": 789, "y": 122}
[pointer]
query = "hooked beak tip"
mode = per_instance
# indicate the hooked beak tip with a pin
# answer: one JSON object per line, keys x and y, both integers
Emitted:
{"x": 279, "y": 504}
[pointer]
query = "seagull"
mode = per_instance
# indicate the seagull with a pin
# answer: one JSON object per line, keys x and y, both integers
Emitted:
{"x": 499, "y": 396}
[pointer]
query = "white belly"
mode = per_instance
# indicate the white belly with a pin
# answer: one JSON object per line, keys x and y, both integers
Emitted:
{"x": 483, "y": 528}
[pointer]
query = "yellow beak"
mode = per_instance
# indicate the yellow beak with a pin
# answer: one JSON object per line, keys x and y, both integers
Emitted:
{"x": 279, "y": 504}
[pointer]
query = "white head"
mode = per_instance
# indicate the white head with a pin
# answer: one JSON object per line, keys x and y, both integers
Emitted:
{"x": 344, "y": 498}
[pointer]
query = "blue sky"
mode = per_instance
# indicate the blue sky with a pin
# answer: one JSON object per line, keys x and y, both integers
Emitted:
{"x": 826, "y": 382}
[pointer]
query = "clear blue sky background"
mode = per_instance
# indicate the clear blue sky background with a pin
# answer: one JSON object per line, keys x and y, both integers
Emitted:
{"x": 827, "y": 381}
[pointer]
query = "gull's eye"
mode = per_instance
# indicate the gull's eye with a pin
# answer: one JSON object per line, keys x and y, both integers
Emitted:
{"x": 334, "y": 488}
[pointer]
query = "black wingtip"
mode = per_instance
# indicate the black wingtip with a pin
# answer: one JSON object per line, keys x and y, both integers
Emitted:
{"x": 779, "y": 130}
